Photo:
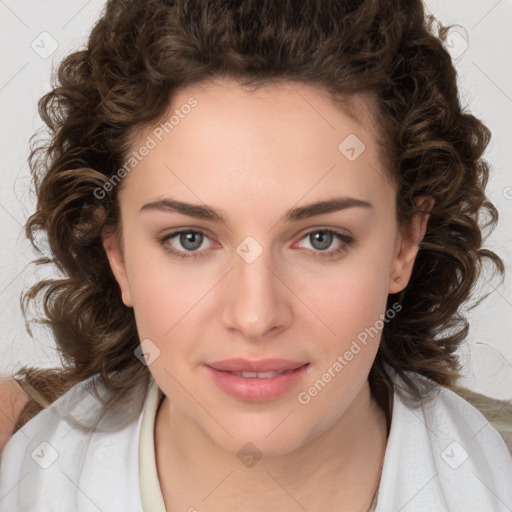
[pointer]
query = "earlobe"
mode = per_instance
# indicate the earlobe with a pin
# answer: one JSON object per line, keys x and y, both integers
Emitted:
{"x": 407, "y": 247}
{"x": 117, "y": 264}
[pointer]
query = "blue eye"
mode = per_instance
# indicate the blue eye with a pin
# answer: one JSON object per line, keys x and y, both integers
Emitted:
{"x": 322, "y": 239}
{"x": 191, "y": 240}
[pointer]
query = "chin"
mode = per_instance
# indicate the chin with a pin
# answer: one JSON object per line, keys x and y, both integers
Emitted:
{"x": 255, "y": 445}
{"x": 267, "y": 437}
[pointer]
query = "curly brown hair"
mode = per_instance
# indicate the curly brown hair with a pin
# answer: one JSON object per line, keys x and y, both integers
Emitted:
{"x": 141, "y": 52}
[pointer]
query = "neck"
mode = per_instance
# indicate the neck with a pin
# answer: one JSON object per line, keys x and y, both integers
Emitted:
{"x": 338, "y": 470}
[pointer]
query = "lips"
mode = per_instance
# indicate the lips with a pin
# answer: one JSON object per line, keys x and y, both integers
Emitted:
{"x": 257, "y": 381}
{"x": 264, "y": 368}
{"x": 260, "y": 375}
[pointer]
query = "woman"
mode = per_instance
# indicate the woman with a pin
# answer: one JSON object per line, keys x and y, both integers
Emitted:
{"x": 268, "y": 216}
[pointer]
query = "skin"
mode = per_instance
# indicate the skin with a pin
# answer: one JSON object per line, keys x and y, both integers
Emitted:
{"x": 253, "y": 156}
{"x": 12, "y": 401}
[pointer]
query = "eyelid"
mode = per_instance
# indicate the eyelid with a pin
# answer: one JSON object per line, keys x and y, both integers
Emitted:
{"x": 313, "y": 229}
{"x": 345, "y": 239}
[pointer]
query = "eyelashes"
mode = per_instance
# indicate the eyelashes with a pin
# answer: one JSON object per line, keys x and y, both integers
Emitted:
{"x": 183, "y": 236}
{"x": 182, "y": 233}
{"x": 344, "y": 239}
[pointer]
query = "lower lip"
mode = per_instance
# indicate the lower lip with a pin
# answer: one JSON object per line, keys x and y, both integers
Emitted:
{"x": 256, "y": 389}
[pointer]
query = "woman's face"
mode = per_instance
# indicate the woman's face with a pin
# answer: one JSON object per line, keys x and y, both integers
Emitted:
{"x": 265, "y": 270}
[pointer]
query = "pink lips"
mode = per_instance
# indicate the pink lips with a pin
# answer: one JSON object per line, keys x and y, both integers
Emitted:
{"x": 254, "y": 388}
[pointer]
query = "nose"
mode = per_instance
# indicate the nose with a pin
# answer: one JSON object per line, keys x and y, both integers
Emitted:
{"x": 258, "y": 301}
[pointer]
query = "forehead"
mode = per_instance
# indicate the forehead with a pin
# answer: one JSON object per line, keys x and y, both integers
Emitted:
{"x": 220, "y": 137}
{"x": 223, "y": 102}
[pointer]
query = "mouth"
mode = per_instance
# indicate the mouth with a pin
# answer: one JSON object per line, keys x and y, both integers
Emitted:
{"x": 260, "y": 375}
{"x": 240, "y": 364}
{"x": 256, "y": 381}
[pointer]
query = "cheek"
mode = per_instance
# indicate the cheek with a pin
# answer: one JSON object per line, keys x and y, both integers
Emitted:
{"x": 352, "y": 306}
{"x": 348, "y": 296}
{"x": 163, "y": 302}
{"x": 164, "y": 307}
{"x": 163, "y": 290}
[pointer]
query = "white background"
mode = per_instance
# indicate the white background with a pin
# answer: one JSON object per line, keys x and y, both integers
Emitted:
{"x": 485, "y": 82}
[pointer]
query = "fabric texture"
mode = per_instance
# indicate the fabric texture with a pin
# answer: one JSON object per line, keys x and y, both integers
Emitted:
{"x": 73, "y": 456}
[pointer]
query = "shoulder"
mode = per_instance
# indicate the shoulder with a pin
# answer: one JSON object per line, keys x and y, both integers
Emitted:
{"x": 497, "y": 412}
{"x": 475, "y": 422}
{"x": 12, "y": 401}
{"x": 71, "y": 452}
{"x": 443, "y": 454}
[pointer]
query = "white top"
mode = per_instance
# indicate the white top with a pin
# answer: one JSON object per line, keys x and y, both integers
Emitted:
{"x": 150, "y": 492}
{"x": 442, "y": 456}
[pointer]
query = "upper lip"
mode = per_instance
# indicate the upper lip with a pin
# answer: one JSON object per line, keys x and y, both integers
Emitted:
{"x": 240, "y": 364}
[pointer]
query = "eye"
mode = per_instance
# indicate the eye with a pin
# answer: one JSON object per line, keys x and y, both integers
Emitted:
{"x": 190, "y": 240}
{"x": 321, "y": 239}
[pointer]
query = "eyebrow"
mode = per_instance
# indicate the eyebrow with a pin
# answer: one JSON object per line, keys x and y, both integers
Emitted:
{"x": 206, "y": 212}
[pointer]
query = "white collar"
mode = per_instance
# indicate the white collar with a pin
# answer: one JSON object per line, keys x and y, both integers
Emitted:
{"x": 443, "y": 456}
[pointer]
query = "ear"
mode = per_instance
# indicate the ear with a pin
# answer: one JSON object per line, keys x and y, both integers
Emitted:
{"x": 407, "y": 245}
{"x": 115, "y": 256}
